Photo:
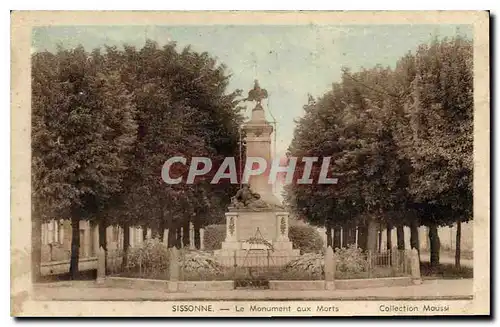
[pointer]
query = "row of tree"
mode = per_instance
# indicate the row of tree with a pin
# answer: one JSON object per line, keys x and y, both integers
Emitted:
{"x": 402, "y": 145}
{"x": 103, "y": 124}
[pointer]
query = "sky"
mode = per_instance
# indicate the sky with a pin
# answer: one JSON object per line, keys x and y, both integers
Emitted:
{"x": 290, "y": 62}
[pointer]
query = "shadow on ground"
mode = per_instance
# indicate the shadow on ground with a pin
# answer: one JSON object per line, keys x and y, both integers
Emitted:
{"x": 445, "y": 271}
{"x": 84, "y": 275}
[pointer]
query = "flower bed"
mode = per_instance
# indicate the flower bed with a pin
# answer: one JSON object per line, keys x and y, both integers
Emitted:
{"x": 351, "y": 263}
{"x": 152, "y": 261}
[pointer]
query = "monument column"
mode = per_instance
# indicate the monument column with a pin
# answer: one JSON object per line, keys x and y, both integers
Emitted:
{"x": 257, "y": 226}
{"x": 258, "y": 144}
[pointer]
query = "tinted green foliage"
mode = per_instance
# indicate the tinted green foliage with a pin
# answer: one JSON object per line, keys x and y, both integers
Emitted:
{"x": 350, "y": 124}
{"x": 401, "y": 141}
{"x": 440, "y": 137}
{"x": 83, "y": 131}
{"x": 105, "y": 122}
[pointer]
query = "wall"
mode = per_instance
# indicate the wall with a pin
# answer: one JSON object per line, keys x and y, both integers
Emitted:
{"x": 56, "y": 239}
{"x": 57, "y": 236}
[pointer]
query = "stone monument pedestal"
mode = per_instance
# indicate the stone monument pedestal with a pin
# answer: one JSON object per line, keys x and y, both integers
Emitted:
{"x": 257, "y": 228}
{"x": 256, "y": 238}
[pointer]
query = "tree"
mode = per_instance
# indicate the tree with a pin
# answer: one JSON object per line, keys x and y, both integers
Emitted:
{"x": 350, "y": 124}
{"x": 401, "y": 142}
{"x": 439, "y": 141}
{"x": 44, "y": 94}
{"x": 182, "y": 110}
{"x": 83, "y": 127}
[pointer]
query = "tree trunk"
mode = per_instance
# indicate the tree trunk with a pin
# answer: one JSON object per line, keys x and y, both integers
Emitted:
{"x": 348, "y": 236}
{"x": 103, "y": 240}
{"x": 400, "y": 233}
{"x": 414, "y": 242}
{"x": 36, "y": 248}
{"x": 144, "y": 232}
{"x": 351, "y": 239}
{"x": 379, "y": 243}
{"x": 162, "y": 230}
{"x": 172, "y": 237}
{"x": 336, "y": 238}
{"x": 126, "y": 244}
{"x": 434, "y": 244}
{"x": 155, "y": 231}
{"x": 197, "y": 237}
{"x": 185, "y": 233}
{"x": 178, "y": 238}
{"x": 345, "y": 237}
{"x": 457, "y": 245}
{"x": 156, "y": 227}
{"x": 75, "y": 247}
{"x": 389, "y": 237}
{"x": 372, "y": 235}
{"x": 362, "y": 237}
{"x": 328, "y": 233}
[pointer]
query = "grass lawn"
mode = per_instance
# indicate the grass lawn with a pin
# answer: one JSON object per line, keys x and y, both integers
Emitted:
{"x": 444, "y": 271}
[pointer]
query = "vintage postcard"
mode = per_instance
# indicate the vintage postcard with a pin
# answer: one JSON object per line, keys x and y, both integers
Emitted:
{"x": 250, "y": 164}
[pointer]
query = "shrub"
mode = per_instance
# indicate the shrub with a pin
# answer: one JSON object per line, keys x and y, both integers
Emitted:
{"x": 195, "y": 261}
{"x": 306, "y": 238}
{"x": 152, "y": 255}
{"x": 303, "y": 237}
{"x": 351, "y": 260}
{"x": 214, "y": 236}
{"x": 309, "y": 264}
{"x": 199, "y": 265}
{"x": 350, "y": 263}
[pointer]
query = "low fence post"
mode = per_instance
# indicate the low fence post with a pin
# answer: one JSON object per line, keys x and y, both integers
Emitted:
{"x": 101, "y": 265}
{"x": 415, "y": 267}
{"x": 174, "y": 270}
{"x": 330, "y": 267}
